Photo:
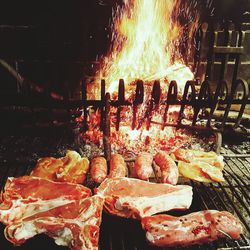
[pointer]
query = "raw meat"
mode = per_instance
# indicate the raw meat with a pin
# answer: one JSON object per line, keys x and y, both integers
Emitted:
{"x": 128, "y": 197}
{"x": 194, "y": 228}
{"x": 75, "y": 225}
{"x": 26, "y": 196}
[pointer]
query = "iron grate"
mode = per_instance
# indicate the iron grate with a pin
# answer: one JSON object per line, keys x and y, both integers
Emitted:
{"x": 19, "y": 155}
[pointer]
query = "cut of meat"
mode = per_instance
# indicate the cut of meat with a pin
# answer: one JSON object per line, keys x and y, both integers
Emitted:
{"x": 26, "y": 196}
{"x": 71, "y": 168}
{"x": 128, "y": 197}
{"x": 75, "y": 225}
{"x": 188, "y": 156}
{"x": 194, "y": 228}
{"x": 200, "y": 171}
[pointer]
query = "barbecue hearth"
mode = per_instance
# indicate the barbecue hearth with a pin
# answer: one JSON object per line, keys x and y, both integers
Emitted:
{"x": 76, "y": 105}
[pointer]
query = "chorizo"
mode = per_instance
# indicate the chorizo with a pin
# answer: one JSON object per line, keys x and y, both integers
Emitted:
{"x": 169, "y": 169}
{"x": 99, "y": 169}
{"x": 143, "y": 166}
{"x": 118, "y": 166}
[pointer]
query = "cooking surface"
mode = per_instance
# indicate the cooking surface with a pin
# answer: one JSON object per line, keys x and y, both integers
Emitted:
{"x": 18, "y": 155}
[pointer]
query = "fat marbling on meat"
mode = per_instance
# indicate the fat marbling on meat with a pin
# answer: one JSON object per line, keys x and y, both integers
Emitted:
{"x": 128, "y": 197}
{"x": 199, "y": 227}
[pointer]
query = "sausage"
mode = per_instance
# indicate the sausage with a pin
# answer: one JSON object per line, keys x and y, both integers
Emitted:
{"x": 99, "y": 169}
{"x": 118, "y": 166}
{"x": 169, "y": 170}
{"x": 143, "y": 166}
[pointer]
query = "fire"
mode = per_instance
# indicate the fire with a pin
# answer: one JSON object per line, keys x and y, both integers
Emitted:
{"x": 146, "y": 39}
{"x": 149, "y": 42}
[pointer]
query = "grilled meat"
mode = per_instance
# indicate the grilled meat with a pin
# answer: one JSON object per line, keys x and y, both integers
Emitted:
{"x": 194, "y": 228}
{"x": 143, "y": 166}
{"x": 99, "y": 169}
{"x": 169, "y": 170}
{"x": 128, "y": 197}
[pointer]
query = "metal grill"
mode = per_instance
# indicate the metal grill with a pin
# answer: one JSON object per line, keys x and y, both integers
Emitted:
{"x": 19, "y": 154}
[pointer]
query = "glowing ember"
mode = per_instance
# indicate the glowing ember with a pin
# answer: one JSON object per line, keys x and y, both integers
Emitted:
{"x": 146, "y": 39}
{"x": 149, "y": 43}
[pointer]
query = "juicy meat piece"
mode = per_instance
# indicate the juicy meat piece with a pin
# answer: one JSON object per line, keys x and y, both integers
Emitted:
{"x": 200, "y": 171}
{"x": 99, "y": 169}
{"x": 76, "y": 225}
{"x": 194, "y": 228}
{"x": 26, "y": 196}
{"x": 128, "y": 197}
{"x": 47, "y": 168}
{"x": 191, "y": 156}
{"x": 118, "y": 166}
{"x": 169, "y": 170}
{"x": 143, "y": 166}
{"x": 71, "y": 168}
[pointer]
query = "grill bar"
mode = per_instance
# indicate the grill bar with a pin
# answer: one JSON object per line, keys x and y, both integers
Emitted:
{"x": 118, "y": 233}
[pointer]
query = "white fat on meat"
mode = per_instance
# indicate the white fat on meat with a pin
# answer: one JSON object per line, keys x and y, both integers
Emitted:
{"x": 165, "y": 202}
{"x": 21, "y": 209}
{"x": 25, "y": 231}
{"x": 128, "y": 197}
{"x": 64, "y": 237}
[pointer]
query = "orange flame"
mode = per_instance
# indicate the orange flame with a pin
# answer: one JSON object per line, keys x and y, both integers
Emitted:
{"x": 145, "y": 38}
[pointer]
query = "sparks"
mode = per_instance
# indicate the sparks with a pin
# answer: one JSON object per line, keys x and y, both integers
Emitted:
{"x": 145, "y": 37}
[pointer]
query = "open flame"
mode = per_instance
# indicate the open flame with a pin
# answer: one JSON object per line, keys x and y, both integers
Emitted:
{"x": 146, "y": 41}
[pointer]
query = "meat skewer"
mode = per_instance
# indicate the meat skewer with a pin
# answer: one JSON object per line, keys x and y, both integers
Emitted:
{"x": 169, "y": 169}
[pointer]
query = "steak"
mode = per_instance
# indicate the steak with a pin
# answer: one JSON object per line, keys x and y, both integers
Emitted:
{"x": 75, "y": 225}
{"x": 194, "y": 228}
{"x": 128, "y": 197}
{"x": 26, "y": 196}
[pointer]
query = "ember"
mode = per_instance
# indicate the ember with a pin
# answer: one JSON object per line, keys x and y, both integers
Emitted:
{"x": 147, "y": 39}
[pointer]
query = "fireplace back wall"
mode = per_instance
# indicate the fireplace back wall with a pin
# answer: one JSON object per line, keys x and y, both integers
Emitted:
{"x": 57, "y": 43}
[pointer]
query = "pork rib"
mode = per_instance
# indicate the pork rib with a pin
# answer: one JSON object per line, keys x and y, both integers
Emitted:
{"x": 26, "y": 196}
{"x": 128, "y": 197}
{"x": 194, "y": 228}
{"x": 75, "y": 225}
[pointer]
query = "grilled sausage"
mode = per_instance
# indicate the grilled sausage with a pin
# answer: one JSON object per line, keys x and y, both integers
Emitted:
{"x": 99, "y": 169}
{"x": 117, "y": 166}
{"x": 169, "y": 170}
{"x": 143, "y": 166}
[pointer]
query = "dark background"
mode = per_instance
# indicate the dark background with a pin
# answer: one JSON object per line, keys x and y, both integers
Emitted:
{"x": 57, "y": 43}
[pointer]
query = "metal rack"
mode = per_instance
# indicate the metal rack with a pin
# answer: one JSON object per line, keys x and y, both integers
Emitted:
{"x": 118, "y": 233}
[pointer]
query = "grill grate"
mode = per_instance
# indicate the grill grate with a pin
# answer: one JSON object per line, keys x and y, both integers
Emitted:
{"x": 19, "y": 154}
